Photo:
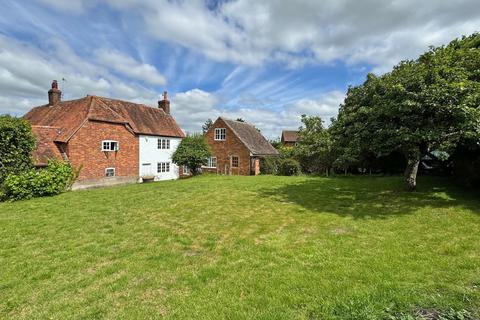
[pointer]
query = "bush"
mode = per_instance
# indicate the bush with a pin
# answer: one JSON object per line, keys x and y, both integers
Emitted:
{"x": 16, "y": 145}
{"x": 192, "y": 152}
{"x": 55, "y": 179}
{"x": 269, "y": 165}
{"x": 288, "y": 167}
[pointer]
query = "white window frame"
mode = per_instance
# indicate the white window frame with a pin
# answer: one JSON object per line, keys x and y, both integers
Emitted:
{"x": 238, "y": 162}
{"x": 163, "y": 167}
{"x": 220, "y": 134}
{"x": 114, "y": 173}
{"x": 210, "y": 162}
{"x": 110, "y": 143}
{"x": 186, "y": 170}
{"x": 163, "y": 143}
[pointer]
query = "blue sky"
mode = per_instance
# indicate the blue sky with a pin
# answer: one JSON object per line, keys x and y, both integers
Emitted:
{"x": 265, "y": 61}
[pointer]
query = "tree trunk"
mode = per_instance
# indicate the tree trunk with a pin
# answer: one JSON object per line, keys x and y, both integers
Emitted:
{"x": 411, "y": 172}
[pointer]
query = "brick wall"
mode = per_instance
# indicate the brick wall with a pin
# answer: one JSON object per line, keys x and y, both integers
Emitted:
{"x": 223, "y": 150}
{"x": 85, "y": 149}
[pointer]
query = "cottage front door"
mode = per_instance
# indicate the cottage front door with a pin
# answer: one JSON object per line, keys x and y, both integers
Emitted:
{"x": 147, "y": 170}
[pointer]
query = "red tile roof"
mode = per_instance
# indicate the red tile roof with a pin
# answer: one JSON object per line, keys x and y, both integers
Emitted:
{"x": 289, "y": 135}
{"x": 46, "y": 149}
{"x": 68, "y": 116}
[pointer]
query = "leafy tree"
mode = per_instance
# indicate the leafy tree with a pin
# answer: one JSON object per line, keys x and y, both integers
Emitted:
{"x": 192, "y": 152}
{"x": 314, "y": 148}
{"x": 207, "y": 125}
{"x": 422, "y": 105}
{"x": 16, "y": 145}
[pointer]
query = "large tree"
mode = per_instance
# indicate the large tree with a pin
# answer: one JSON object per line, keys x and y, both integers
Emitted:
{"x": 16, "y": 145}
{"x": 192, "y": 152}
{"x": 426, "y": 104}
{"x": 314, "y": 148}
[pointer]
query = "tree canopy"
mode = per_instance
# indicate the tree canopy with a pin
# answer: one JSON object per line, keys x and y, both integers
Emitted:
{"x": 192, "y": 152}
{"x": 421, "y": 105}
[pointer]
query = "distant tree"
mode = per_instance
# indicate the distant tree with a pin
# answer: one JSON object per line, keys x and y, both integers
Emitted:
{"x": 192, "y": 152}
{"x": 276, "y": 143}
{"x": 314, "y": 148}
{"x": 240, "y": 120}
{"x": 422, "y": 105}
{"x": 207, "y": 125}
{"x": 16, "y": 145}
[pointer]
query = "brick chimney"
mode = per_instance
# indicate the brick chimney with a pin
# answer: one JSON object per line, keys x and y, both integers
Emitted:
{"x": 165, "y": 103}
{"x": 54, "y": 94}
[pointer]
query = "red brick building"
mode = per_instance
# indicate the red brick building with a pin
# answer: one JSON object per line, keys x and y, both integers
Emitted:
{"x": 106, "y": 138}
{"x": 237, "y": 148}
{"x": 289, "y": 138}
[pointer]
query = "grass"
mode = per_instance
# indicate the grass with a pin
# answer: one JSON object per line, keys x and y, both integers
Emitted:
{"x": 241, "y": 248}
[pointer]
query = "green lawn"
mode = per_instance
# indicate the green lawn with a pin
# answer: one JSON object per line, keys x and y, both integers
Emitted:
{"x": 242, "y": 248}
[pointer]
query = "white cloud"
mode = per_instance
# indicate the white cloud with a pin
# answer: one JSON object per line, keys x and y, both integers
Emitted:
{"x": 251, "y": 32}
{"x": 26, "y": 72}
{"x": 74, "y": 6}
{"x": 128, "y": 66}
{"x": 192, "y": 108}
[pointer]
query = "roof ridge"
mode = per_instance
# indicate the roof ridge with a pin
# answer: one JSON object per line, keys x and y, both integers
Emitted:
{"x": 108, "y": 107}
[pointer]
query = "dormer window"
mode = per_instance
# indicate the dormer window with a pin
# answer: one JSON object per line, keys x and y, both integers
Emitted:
{"x": 220, "y": 134}
{"x": 109, "y": 145}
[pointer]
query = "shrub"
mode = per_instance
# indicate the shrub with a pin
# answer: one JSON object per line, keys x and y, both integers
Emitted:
{"x": 269, "y": 165}
{"x": 55, "y": 179}
{"x": 288, "y": 167}
{"x": 192, "y": 152}
{"x": 16, "y": 145}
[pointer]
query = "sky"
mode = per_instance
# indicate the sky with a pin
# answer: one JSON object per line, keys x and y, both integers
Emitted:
{"x": 267, "y": 62}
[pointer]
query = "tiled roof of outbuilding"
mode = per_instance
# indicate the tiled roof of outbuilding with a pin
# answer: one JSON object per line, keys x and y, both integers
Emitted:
{"x": 290, "y": 135}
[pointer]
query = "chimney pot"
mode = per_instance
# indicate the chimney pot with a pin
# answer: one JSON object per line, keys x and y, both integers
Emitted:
{"x": 54, "y": 94}
{"x": 165, "y": 103}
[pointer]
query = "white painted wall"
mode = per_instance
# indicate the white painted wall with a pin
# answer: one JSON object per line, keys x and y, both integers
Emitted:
{"x": 150, "y": 154}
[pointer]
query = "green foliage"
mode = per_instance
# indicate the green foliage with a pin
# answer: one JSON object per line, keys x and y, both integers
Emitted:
{"x": 16, "y": 145}
{"x": 422, "y": 105}
{"x": 283, "y": 165}
{"x": 314, "y": 148}
{"x": 288, "y": 167}
{"x": 55, "y": 179}
{"x": 450, "y": 314}
{"x": 193, "y": 152}
{"x": 207, "y": 125}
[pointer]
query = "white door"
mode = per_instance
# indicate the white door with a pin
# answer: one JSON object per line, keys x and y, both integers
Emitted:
{"x": 147, "y": 170}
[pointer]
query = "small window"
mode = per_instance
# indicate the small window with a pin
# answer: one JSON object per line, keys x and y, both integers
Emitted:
{"x": 234, "y": 162}
{"x": 163, "y": 144}
{"x": 186, "y": 170}
{"x": 110, "y": 172}
{"x": 109, "y": 145}
{"x": 163, "y": 167}
{"x": 220, "y": 134}
{"x": 212, "y": 162}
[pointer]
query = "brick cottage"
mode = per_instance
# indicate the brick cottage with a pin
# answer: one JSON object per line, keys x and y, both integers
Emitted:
{"x": 113, "y": 141}
{"x": 237, "y": 148}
